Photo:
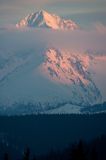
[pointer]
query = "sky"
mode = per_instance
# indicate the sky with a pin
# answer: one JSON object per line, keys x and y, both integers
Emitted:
{"x": 84, "y": 12}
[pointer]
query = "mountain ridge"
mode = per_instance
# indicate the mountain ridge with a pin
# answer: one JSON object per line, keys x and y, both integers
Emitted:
{"x": 43, "y": 19}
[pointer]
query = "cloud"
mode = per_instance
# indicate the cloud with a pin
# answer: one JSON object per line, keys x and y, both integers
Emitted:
{"x": 79, "y": 41}
{"x": 45, "y": 2}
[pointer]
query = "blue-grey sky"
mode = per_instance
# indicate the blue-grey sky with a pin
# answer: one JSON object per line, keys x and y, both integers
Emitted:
{"x": 84, "y": 12}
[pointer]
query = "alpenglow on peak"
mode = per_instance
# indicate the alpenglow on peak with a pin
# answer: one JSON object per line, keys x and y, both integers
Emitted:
{"x": 43, "y": 19}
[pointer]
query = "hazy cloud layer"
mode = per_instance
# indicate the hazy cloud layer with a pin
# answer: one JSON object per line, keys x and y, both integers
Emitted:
{"x": 80, "y": 40}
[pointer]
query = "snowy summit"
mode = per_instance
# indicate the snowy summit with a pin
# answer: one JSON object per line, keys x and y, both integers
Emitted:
{"x": 44, "y": 19}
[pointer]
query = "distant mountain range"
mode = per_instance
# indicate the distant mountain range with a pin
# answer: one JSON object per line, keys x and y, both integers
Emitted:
{"x": 44, "y": 19}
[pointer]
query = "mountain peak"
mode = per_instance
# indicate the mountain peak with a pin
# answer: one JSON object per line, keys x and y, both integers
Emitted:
{"x": 42, "y": 12}
{"x": 43, "y": 19}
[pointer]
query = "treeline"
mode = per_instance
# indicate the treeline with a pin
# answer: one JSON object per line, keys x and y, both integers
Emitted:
{"x": 95, "y": 108}
{"x": 93, "y": 150}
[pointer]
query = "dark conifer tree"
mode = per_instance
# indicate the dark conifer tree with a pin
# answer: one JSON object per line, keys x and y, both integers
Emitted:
{"x": 26, "y": 155}
{"x": 78, "y": 152}
{"x": 34, "y": 158}
{"x": 6, "y": 157}
{"x": 94, "y": 154}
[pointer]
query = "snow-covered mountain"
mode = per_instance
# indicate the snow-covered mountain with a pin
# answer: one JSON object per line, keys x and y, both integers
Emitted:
{"x": 71, "y": 69}
{"x": 32, "y": 82}
{"x": 66, "y": 67}
{"x": 44, "y": 19}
